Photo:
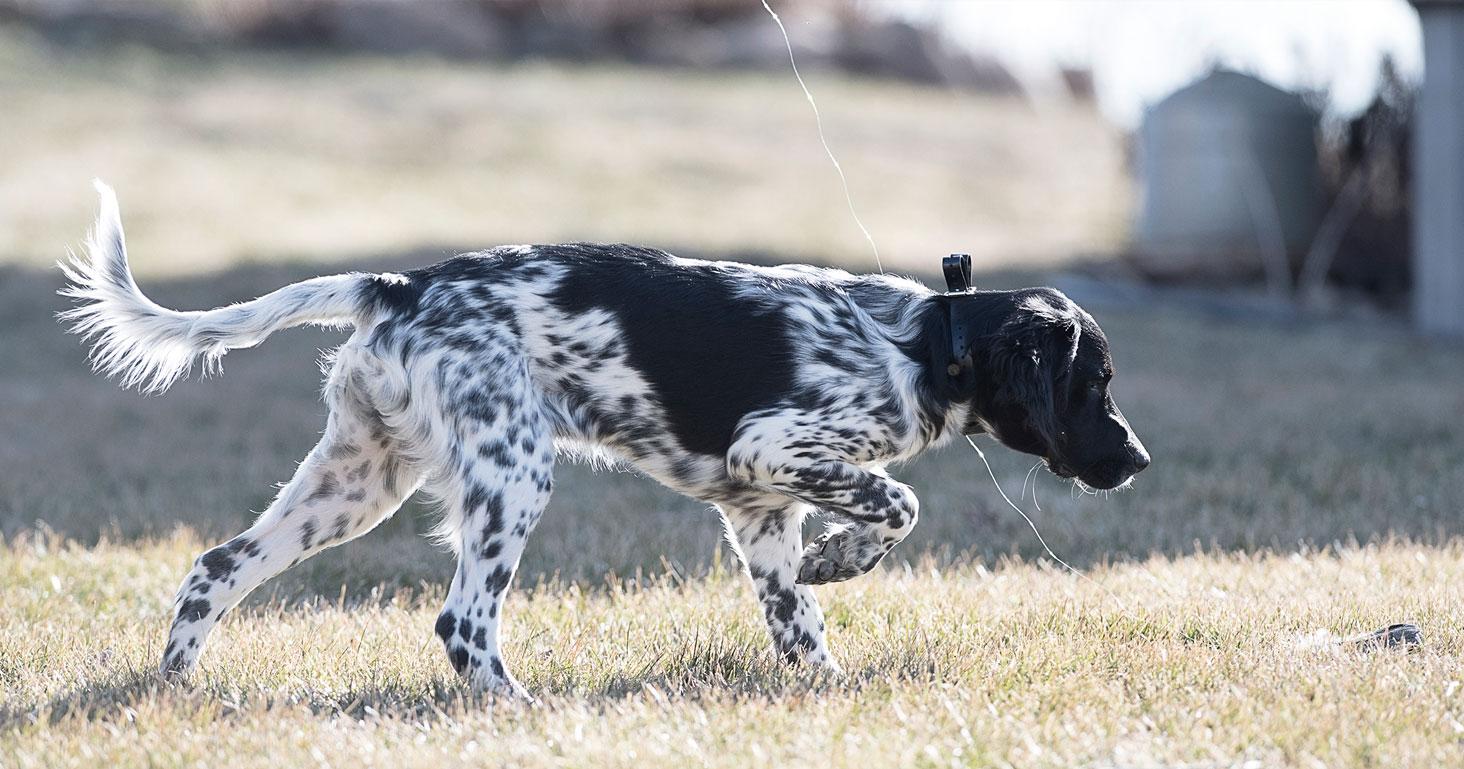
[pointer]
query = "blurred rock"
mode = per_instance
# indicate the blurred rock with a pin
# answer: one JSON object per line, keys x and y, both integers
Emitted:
{"x": 975, "y": 72}
{"x": 1079, "y": 84}
{"x": 72, "y": 22}
{"x": 698, "y": 34}
{"x": 891, "y": 49}
{"x": 902, "y": 51}
{"x": 451, "y": 28}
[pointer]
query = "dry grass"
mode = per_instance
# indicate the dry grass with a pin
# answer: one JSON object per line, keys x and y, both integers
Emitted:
{"x": 1019, "y": 666}
{"x": 257, "y": 157}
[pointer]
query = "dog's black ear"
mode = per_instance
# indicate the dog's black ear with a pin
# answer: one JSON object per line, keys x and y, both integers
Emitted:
{"x": 1029, "y": 359}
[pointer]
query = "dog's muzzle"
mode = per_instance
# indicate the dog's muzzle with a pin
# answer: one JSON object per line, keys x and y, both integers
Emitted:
{"x": 1059, "y": 468}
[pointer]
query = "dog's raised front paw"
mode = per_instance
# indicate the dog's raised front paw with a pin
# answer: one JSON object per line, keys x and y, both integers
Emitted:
{"x": 839, "y": 555}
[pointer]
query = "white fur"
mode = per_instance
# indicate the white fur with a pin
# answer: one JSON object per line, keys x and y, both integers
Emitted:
{"x": 150, "y": 347}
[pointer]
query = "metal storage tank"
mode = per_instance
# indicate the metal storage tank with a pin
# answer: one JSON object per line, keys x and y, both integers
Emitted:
{"x": 1230, "y": 181}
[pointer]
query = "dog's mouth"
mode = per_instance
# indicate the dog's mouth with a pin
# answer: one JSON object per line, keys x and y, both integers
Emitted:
{"x": 1059, "y": 468}
{"x": 1096, "y": 478}
{"x": 1105, "y": 476}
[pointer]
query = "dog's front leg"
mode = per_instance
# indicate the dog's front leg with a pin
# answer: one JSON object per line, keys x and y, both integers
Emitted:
{"x": 767, "y": 531}
{"x": 877, "y": 512}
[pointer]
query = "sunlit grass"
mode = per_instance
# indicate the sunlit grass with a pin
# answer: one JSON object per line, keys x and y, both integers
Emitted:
{"x": 1190, "y": 660}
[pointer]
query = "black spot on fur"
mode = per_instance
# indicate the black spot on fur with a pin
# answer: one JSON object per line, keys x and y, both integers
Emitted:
{"x": 497, "y": 451}
{"x": 398, "y": 295}
{"x": 343, "y": 450}
{"x": 781, "y": 605}
{"x": 193, "y": 610}
{"x": 498, "y": 580}
{"x": 218, "y": 562}
{"x": 490, "y": 502}
{"x": 710, "y": 355}
{"x": 327, "y": 488}
{"x": 445, "y": 623}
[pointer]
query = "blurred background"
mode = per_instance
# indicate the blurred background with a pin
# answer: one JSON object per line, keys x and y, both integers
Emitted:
{"x": 1263, "y": 204}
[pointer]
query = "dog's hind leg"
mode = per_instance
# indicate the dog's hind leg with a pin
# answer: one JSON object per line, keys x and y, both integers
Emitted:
{"x": 351, "y": 481}
{"x": 496, "y": 477}
{"x": 768, "y": 535}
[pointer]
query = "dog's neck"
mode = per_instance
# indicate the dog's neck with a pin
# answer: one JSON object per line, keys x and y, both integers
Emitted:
{"x": 947, "y": 385}
{"x": 918, "y": 322}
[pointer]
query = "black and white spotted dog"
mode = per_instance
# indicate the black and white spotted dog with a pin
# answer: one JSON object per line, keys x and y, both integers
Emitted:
{"x": 766, "y": 391}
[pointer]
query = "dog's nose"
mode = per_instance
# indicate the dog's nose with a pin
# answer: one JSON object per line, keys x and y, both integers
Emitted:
{"x": 1141, "y": 457}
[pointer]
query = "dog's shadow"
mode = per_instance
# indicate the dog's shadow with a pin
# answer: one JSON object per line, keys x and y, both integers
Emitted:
{"x": 742, "y": 673}
{"x": 87, "y": 702}
{"x": 106, "y": 700}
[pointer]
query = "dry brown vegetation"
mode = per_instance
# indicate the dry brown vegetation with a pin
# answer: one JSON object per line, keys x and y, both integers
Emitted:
{"x": 259, "y": 157}
{"x": 1208, "y": 661}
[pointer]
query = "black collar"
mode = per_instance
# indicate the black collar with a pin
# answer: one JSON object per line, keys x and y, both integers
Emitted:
{"x": 957, "y": 269}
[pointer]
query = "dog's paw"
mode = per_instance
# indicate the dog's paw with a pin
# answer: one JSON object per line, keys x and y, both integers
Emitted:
{"x": 179, "y": 660}
{"x": 175, "y": 670}
{"x": 839, "y": 555}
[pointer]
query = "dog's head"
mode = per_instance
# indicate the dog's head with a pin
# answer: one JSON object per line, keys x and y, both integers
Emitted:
{"x": 1040, "y": 371}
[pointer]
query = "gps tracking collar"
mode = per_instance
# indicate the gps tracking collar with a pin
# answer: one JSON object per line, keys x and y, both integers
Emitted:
{"x": 957, "y": 269}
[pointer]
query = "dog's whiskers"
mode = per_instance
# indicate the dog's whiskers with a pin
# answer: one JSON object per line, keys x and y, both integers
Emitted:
{"x": 1031, "y": 477}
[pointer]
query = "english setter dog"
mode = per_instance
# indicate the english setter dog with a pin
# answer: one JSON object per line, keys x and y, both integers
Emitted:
{"x": 767, "y": 392}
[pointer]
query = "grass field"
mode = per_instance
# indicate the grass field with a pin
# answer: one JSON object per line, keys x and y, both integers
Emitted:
{"x": 1207, "y": 661}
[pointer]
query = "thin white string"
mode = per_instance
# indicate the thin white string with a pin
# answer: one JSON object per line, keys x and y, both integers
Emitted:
{"x": 849, "y": 199}
{"x": 818, "y": 120}
{"x": 1025, "y": 517}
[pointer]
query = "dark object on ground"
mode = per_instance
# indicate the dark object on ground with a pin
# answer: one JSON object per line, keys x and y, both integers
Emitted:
{"x": 1405, "y": 635}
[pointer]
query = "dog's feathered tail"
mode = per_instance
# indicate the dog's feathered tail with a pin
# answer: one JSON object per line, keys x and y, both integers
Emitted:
{"x": 150, "y": 347}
